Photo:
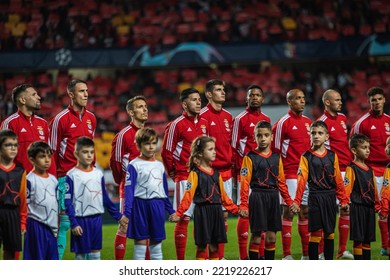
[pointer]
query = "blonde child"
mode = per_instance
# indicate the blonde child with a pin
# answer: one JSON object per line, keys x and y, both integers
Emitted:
{"x": 205, "y": 189}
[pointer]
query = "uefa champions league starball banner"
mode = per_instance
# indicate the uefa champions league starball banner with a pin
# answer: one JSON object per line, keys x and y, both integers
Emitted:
{"x": 200, "y": 53}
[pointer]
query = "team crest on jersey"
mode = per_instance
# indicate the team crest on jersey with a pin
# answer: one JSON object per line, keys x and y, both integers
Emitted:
{"x": 387, "y": 127}
{"x": 227, "y": 125}
{"x": 40, "y": 130}
{"x": 307, "y": 128}
{"x": 346, "y": 181}
{"x": 342, "y": 123}
{"x": 385, "y": 183}
{"x": 188, "y": 186}
{"x": 89, "y": 124}
{"x": 244, "y": 171}
{"x": 204, "y": 129}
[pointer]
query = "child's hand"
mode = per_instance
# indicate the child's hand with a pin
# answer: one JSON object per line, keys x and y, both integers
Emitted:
{"x": 344, "y": 207}
{"x": 174, "y": 218}
{"x": 123, "y": 221}
{"x": 77, "y": 231}
{"x": 294, "y": 208}
{"x": 243, "y": 213}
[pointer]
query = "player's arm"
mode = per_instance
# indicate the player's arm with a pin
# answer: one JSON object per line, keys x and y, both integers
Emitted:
{"x": 130, "y": 184}
{"x": 55, "y": 137}
{"x": 226, "y": 201}
{"x": 283, "y": 189}
{"x": 115, "y": 159}
{"x": 192, "y": 184}
{"x": 277, "y": 141}
{"x": 340, "y": 189}
{"x": 303, "y": 174}
{"x": 378, "y": 205}
{"x": 168, "y": 146}
{"x": 23, "y": 202}
{"x": 245, "y": 180}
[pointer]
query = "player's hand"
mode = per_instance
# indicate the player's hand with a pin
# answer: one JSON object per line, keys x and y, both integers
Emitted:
{"x": 243, "y": 213}
{"x": 344, "y": 207}
{"x": 123, "y": 221}
{"x": 174, "y": 218}
{"x": 294, "y": 208}
{"x": 77, "y": 231}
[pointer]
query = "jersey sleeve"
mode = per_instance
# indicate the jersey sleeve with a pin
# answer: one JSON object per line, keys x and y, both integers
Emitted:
{"x": 130, "y": 183}
{"x": 115, "y": 165}
{"x": 226, "y": 201}
{"x": 385, "y": 192}
{"x": 107, "y": 203}
{"x": 192, "y": 184}
{"x": 69, "y": 203}
{"x": 340, "y": 189}
{"x": 23, "y": 201}
{"x": 303, "y": 174}
{"x": 245, "y": 179}
{"x": 378, "y": 205}
{"x": 167, "y": 148}
{"x": 55, "y": 138}
{"x": 283, "y": 189}
{"x": 349, "y": 181}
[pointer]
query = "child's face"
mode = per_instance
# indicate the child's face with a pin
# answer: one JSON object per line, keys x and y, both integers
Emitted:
{"x": 263, "y": 137}
{"x": 209, "y": 152}
{"x": 318, "y": 136}
{"x": 148, "y": 148}
{"x": 362, "y": 151}
{"x": 42, "y": 161}
{"x": 9, "y": 148}
{"x": 85, "y": 155}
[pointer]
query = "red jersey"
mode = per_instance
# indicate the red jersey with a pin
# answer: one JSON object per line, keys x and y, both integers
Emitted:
{"x": 291, "y": 139}
{"x": 243, "y": 140}
{"x": 220, "y": 124}
{"x": 176, "y": 146}
{"x": 28, "y": 130}
{"x": 377, "y": 129}
{"x": 124, "y": 150}
{"x": 338, "y": 137}
{"x": 66, "y": 127}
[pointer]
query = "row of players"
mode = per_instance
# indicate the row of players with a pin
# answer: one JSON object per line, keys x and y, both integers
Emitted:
{"x": 233, "y": 140}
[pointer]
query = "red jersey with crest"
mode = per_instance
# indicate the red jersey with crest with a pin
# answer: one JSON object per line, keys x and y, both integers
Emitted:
{"x": 338, "y": 137}
{"x": 124, "y": 150}
{"x": 291, "y": 139}
{"x": 28, "y": 130}
{"x": 176, "y": 146}
{"x": 66, "y": 127}
{"x": 243, "y": 140}
{"x": 377, "y": 128}
{"x": 220, "y": 124}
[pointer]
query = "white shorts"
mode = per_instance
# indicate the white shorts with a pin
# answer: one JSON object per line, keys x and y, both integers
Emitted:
{"x": 292, "y": 190}
{"x": 180, "y": 188}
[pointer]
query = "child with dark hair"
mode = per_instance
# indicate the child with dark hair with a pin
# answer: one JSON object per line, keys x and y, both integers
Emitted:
{"x": 360, "y": 187}
{"x": 40, "y": 241}
{"x": 205, "y": 189}
{"x": 319, "y": 169}
{"x": 85, "y": 200}
{"x": 13, "y": 207}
